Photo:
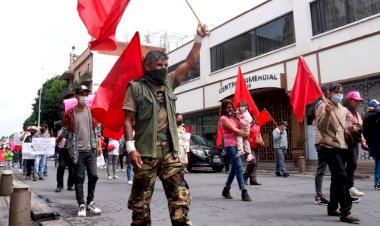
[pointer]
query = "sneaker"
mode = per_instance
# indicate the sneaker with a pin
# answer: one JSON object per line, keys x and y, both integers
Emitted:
{"x": 115, "y": 177}
{"x": 92, "y": 208}
{"x": 320, "y": 200}
{"x": 129, "y": 182}
{"x": 355, "y": 192}
{"x": 59, "y": 189}
{"x": 41, "y": 178}
{"x": 123, "y": 170}
{"x": 35, "y": 178}
{"x": 250, "y": 157}
{"x": 70, "y": 189}
{"x": 355, "y": 200}
{"x": 117, "y": 170}
{"x": 82, "y": 211}
{"x": 109, "y": 178}
{"x": 20, "y": 170}
{"x": 377, "y": 187}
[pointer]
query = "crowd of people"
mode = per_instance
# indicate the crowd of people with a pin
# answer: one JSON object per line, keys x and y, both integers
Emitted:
{"x": 155, "y": 145}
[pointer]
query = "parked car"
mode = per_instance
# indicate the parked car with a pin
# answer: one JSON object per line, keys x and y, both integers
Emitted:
{"x": 204, "y": 154}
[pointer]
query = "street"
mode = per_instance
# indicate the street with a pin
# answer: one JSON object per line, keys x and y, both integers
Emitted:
{"x": 279, "y": 201}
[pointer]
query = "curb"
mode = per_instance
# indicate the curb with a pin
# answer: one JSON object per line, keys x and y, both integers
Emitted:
{"x": 41, "y": 211}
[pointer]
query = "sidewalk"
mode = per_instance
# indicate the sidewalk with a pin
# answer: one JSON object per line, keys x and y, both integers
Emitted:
{"x": 42, "y": 213}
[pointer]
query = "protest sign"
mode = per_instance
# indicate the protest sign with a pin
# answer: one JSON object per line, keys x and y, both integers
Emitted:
{"x": 27, "y": 151}
{"x": 43, "y": 146}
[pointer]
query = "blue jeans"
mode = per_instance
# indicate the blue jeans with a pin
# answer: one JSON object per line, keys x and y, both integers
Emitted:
{"x": 236, "y": 168}
{"x": 280, "y": 163}
{"x": 39, "y": 165}
{"x": 377, "y": 170}
{"x": 129, "y": 167}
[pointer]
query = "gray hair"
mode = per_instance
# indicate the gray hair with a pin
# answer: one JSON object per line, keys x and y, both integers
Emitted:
{"x": 153, "y": 55}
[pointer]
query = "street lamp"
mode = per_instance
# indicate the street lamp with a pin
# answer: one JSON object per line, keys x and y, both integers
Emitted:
{"x": 39, "y": 108}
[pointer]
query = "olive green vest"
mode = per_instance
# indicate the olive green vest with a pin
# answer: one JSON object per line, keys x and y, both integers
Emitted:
{"x": 147, "y": 115}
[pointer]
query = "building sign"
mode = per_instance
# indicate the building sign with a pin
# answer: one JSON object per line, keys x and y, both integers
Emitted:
{"x": 272, "y": 80}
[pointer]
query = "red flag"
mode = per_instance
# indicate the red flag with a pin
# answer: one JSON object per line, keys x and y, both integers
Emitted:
{"x": 242, "y": 93}
{"x": 101, "y": 18}
{"x": 219, "y": 136}
{"x": 108, "y": 100}
{"x": 116, "y": 135}
{"x": 263, "y": 118}
{"x": 305, "y": 89}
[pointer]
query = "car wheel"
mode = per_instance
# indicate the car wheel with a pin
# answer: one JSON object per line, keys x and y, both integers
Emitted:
{"x": 217, "y": 168}
{"x": 189, "y": 167}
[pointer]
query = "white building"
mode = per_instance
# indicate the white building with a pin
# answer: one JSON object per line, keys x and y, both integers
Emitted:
{"x": 340, "y": 40}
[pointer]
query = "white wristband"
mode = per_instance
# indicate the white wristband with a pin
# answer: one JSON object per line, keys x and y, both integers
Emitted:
{"x": 130, "y": 145}
{"x": 197, "y": 38}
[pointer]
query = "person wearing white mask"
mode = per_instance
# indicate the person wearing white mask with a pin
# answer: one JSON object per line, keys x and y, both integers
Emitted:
{"x": 82, "y": 131}
{"x": 331, "y": 123}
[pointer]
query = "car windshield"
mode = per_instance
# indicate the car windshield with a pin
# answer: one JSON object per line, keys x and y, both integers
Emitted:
{"x": 198, "y": 140}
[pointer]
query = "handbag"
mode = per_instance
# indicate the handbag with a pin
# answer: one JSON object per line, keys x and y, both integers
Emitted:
{"x": 347, "y": 134}
{"x": 348, "y": 137}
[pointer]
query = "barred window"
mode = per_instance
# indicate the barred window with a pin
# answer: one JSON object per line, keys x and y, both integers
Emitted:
{"x": 330, "y": 14}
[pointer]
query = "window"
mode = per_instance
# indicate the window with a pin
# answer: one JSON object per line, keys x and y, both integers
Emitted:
{"x": 193, "y": 73}
{"x": 268, "y": 37}
{"x": 330, "y": 14}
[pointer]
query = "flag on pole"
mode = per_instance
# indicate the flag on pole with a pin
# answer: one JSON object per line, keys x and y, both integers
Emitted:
{"x": 101, "y": 18}
{"x": 242, "y": 93}
{"x": 305, "y": 89}
{"x": 263, "y": 118}
{"x": 108, "y": 101}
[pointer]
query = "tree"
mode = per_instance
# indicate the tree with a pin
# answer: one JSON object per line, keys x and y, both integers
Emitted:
{"x": 51, "y": 99}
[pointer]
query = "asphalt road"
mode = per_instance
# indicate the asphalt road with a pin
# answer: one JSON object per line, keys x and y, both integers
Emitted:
{"x": 279, "y": 201}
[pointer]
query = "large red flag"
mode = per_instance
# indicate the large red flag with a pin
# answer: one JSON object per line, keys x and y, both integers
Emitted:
{"x": 263, "y": 118}
{"x": 101, "y": 18}
{"x": 242, "y": 93}
{"x": 305, "y": 89}
{"x": 108, "y": 100}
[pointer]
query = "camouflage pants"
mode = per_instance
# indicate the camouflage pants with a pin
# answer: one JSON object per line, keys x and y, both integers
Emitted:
{"x": 171, "y": 173}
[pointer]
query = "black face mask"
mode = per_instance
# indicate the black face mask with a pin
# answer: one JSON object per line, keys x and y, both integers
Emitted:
{"x": 157, "y": 77}
{"x": 42, "y": 130}
{"x": 179, "y": 122}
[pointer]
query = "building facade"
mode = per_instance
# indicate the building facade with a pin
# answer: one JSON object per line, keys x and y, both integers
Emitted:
{"x": 339, "y": 39}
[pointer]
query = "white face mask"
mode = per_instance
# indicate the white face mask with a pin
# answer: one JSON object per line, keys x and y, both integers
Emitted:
{"x": 82, "y": 100}
{"x": 337, "y": 98}
{"x": 242, "y": 109}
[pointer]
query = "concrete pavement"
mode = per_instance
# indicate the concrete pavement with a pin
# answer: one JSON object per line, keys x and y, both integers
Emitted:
{"x": 279, "y": 201}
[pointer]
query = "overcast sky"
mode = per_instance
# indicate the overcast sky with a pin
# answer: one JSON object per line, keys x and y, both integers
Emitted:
{"x": 37, "y": 36}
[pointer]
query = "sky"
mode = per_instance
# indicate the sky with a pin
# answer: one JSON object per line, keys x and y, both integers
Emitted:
{"x": 37, "y": 37}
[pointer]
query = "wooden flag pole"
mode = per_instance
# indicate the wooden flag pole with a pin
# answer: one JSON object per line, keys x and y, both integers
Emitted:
{"x": 199, "y": 21}
{"x": 271, "y": 117}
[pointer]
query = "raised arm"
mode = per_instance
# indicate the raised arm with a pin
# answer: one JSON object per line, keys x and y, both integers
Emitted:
{"x": 193, "y": 55}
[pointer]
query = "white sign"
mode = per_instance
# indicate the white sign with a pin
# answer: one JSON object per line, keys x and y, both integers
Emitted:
{"x": 43, "y": 146}
{"x": 272, "y": 80}
{"x": 16, "y": 139}
{"x": 27, "y": 151}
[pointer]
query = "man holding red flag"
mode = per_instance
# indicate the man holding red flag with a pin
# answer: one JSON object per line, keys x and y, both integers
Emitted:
{"x": 151, "y": 102}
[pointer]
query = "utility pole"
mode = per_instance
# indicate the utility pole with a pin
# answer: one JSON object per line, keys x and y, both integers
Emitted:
{"x": 39, "y": 102}
{"x": 39, "y": 108}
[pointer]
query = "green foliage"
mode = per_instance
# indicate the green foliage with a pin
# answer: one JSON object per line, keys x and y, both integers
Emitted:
{"x": 51, "y": 99}
{"x": 300, "y": 142}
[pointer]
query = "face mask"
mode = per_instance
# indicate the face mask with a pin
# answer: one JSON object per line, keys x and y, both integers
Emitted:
{"x": 156, "y": 77}
{"x": 42, "y": 130}
{"x": 230, "y": 112}
{"x": 82, "y": 100}
{"x": 179, "y": 122}
{"x": 242, "y": 109}
{"x": 337, "y": 98}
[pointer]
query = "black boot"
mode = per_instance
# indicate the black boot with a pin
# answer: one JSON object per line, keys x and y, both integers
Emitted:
{"x": 245, "y": 196}
{"x": 226, "y": 193}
